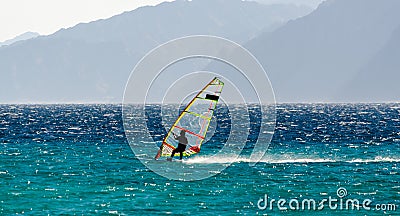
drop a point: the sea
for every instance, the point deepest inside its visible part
(323, 159)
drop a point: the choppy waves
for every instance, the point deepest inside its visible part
(74, 159)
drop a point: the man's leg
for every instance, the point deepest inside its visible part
(172, 154)
(181, 155)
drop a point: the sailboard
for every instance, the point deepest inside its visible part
(194, 120)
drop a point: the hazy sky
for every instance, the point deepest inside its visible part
(48, 16)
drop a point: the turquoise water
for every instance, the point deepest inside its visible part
(74, 159)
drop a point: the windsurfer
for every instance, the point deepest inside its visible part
(181, 146)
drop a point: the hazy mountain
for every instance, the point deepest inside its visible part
(24, 36)
(379, 79)
(314, 57)
(92, 61)
(308, 3)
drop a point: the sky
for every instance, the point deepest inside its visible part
(47, 16)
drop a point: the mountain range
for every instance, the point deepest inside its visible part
(22, 37)
(337, 53)
(91, 62)
(343, 51)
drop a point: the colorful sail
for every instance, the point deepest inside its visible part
(194, 120)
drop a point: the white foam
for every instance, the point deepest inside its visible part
(234, 159)
(375, 160)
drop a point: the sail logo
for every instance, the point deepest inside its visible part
(169, 95)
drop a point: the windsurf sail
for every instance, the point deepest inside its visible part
(194, 120)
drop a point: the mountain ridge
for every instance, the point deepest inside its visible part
(342, 51)
(310, 59)
(21, 37)
(92, 61)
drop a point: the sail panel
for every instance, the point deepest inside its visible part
(195, 120)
